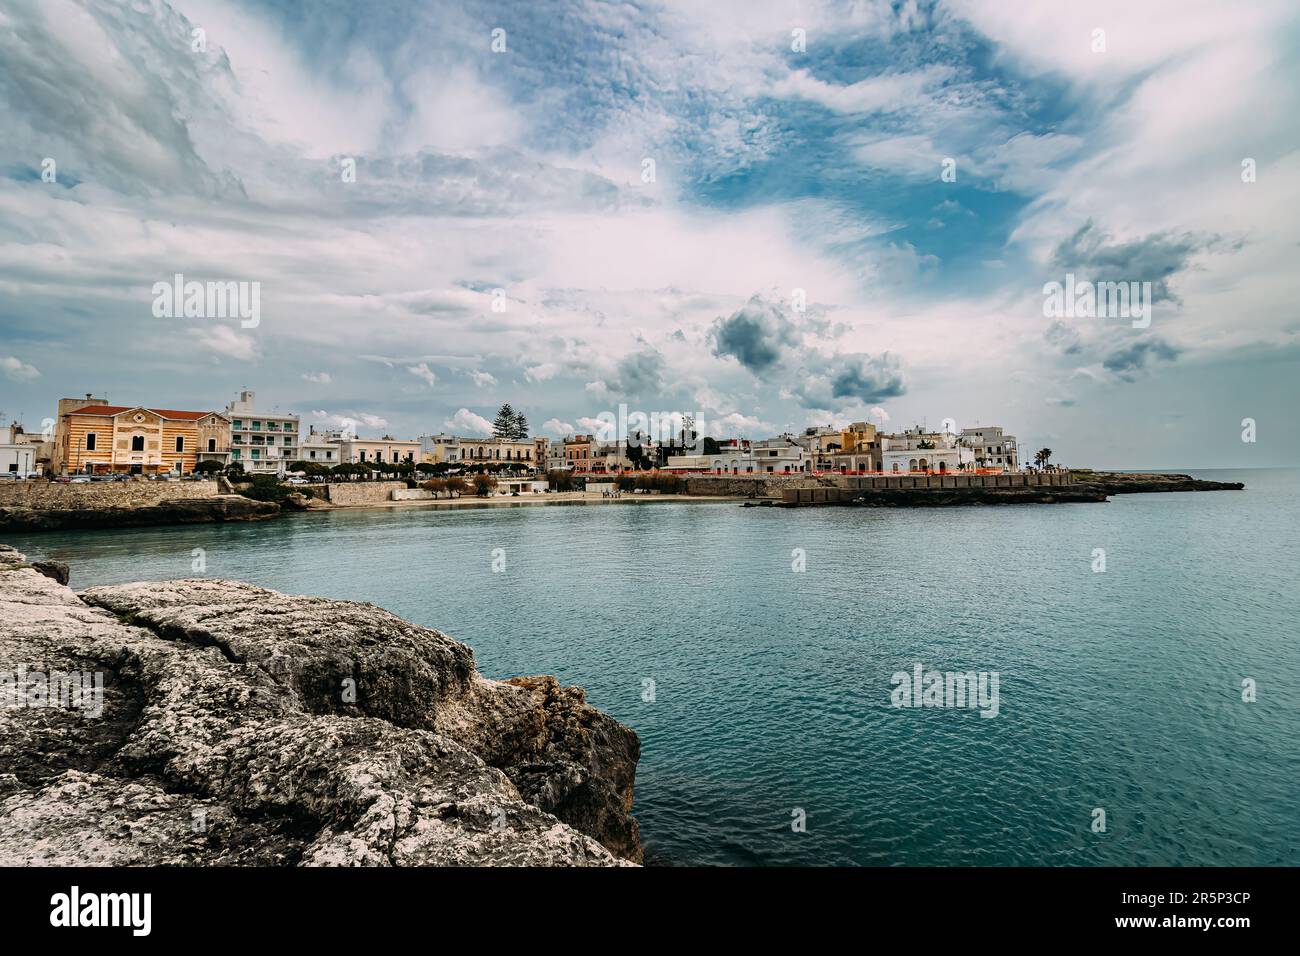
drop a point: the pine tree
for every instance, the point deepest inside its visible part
(519, 427)
(503, 426)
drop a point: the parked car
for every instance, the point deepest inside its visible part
(79, 480)
(297, 481)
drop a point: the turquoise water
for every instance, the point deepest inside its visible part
(1118, 690)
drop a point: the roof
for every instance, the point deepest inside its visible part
(110, 410)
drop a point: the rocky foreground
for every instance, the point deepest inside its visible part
(241, 726)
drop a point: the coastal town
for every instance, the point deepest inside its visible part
(90, 439)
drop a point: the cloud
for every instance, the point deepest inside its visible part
(465, 422)
(16, 370)
(1153, 258)
(755, 335)
(557, 428)
(640, 374)
(482, 379)
(350, 422)
(1062, 337)
(423, 372)
(320, 378)
(851, 378)
(224, 340)
(1134, 358)
(542, 372)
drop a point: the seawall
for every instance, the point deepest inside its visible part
(241, 726)
(51, 506)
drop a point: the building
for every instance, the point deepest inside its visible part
(439, 449)
(609, 457)
(387, 449)
(541, 451)
(780, 456)
(992, 449)
(99, 439)
(18, 456)
(555, 460)
(931, 452)
(518, 451)
(577, 453)
(858, 452)
(733, 457)
(321, 448)
(264, 443)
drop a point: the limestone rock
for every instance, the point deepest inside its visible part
(299, 730)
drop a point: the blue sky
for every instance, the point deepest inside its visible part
(782, 171)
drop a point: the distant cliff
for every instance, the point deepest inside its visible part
(241, 726)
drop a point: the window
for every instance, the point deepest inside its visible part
(137, 443)
(90, 441)
(312, 454)
(180, 444)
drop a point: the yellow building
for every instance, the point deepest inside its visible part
(98, 439)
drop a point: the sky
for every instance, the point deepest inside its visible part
(769, 215)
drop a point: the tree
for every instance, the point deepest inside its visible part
(484, 485)
(208, 467)
(297, 466)
(519, 428)
(503, 426)
(235, 469)
(426, 467)
(435, 485)
(710, 446)
(456, 485)
(1042, 457)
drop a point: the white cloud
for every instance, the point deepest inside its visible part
(542, 372)
(320, 378)
(17, 370)
(423, 372)
(224, 340)
(483, 379)
(557, 428)
(465, 422)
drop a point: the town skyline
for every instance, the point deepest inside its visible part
(854, 215)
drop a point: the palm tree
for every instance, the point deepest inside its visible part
(1042, 457)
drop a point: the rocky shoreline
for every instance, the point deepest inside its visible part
(180, 511)
(1127, 483)
(241, 726)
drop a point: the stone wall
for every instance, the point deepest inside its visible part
(363, 492)
(846, 487)
(751, 486)
(53, 496)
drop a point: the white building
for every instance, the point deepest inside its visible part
(263, 442)
(17, 453)
(917, 450)
(321, 448)
(780, 456)
(387, 449)
(992, 449)
(436, 449)
(555, 460)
